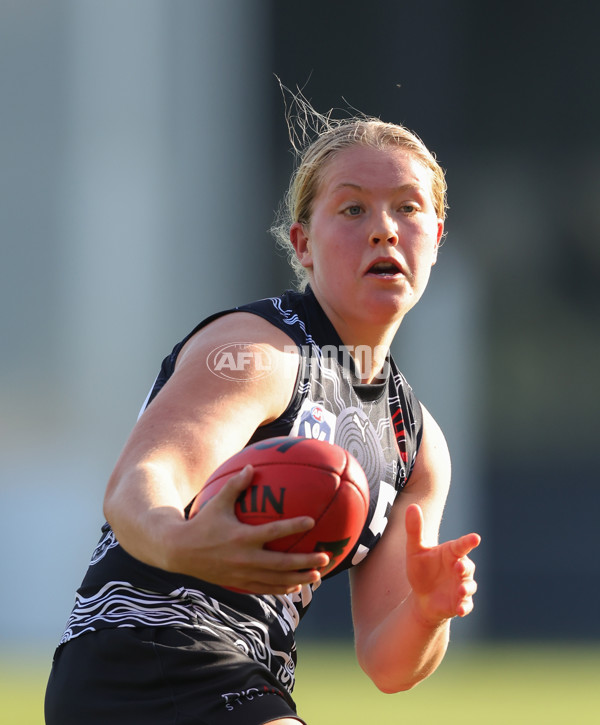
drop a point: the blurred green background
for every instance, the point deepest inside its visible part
(143, 153)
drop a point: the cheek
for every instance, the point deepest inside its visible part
(328, 246)
(428, 243)
(425, 256)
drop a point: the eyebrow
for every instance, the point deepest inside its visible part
(358, 187)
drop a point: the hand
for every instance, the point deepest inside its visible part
(441, 576)
(220, 549)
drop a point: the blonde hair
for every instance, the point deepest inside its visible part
(316, 140)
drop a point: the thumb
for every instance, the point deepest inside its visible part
(233, 488)
(414, 529)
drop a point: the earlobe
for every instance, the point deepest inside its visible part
(301, 244)
(440, 230)
(440, 234)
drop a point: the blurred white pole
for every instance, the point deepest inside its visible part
(115, 205)
(165, 156)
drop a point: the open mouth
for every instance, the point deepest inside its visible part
(384, 269)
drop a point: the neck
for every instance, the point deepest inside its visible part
(366, 339)
(370, 362)
(368, 346)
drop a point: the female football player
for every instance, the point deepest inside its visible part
(156, 634)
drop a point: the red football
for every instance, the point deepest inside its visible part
(299, 477)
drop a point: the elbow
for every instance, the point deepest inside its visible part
(109, 506)
(390, 685)
(392, 688)
(392, 671)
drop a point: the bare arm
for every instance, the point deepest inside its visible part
(407, 590)
(196, 422)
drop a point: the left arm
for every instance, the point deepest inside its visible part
(407, 590)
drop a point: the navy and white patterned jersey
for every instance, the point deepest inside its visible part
(380, 424)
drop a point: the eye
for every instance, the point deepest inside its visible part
(408, 208)
(353, 210)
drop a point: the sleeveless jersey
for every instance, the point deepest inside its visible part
(380, 424)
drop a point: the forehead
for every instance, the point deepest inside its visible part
(373, 168)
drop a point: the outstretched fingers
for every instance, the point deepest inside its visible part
(442, 575)
(464, 569)
(464, 545)
(464, 604)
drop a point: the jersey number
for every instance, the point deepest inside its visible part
(385, 499)
(387, 495)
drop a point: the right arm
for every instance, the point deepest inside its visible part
(196, 422)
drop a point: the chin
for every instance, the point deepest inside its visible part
(388, 306)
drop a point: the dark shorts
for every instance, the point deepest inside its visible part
(160, 676)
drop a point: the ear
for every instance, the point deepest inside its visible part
(301, 244)
(440, 234)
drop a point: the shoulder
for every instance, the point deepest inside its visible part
(241, 354)
(238, 331)
(206, 411)
(433, 457)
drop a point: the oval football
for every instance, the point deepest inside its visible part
(299, 477)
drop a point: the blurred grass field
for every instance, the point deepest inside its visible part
(475, 685)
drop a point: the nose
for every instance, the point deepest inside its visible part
(384, 230)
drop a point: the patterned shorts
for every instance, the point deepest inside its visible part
(160, 676)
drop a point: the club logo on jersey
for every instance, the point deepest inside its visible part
(318, 413)
(315, 421)
(240, 361)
